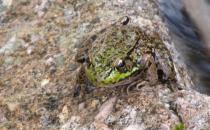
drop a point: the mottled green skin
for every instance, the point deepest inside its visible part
(127, 43)
(118, 42)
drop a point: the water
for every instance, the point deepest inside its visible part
(189, 24)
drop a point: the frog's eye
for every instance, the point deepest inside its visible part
(124, 20)
(120, 63)
(120, 66)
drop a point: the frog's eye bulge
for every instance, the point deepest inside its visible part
(124, 20)
(120, 63)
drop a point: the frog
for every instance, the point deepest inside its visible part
(123, 55)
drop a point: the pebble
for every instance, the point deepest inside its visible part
(12, 106)
(7, 3)
(11, 46)
(9, 61)
(44, 82)
(63, 116)
(30, 50)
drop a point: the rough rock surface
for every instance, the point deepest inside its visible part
(38, 42)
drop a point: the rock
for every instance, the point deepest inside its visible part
(81, 106)
(40, 9)
(30, 50)
(11, 46)
(50, 61)
(12, 106)
(94, 104)
(4, 5)
(72, 124)
(63, 116)
(2, 115)
(59, 60)
(73, 67)
(7, 3)
(193, 109)
(135, 127)
(9, 61)
(41, 37)
(44, 82)
(105, 110)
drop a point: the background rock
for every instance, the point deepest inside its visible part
(38, 43)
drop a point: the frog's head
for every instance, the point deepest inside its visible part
(113, 56)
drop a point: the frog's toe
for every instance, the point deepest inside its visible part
(141, 84)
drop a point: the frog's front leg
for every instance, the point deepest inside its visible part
(82, 53)
(148, 76)
(164, 64)
(83, 85)
(151, 69)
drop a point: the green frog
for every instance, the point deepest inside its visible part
(121, 53)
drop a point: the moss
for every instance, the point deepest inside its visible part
(179, 126)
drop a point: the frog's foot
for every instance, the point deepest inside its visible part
(142, 84)
(136, 86)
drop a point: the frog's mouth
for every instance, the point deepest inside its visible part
(114, 76)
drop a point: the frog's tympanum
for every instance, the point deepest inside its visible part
(122, 51)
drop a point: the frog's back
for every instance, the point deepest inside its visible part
(116, 42)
